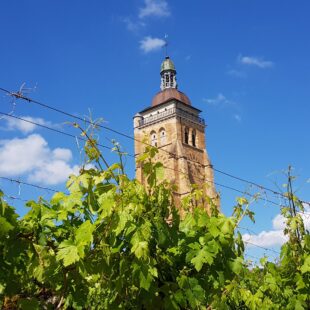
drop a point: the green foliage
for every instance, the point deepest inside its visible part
(110, 243)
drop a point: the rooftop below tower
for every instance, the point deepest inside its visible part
(170, 109)
(170, 94)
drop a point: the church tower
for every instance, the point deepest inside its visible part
(173, 125)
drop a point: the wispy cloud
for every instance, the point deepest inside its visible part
(22, 126)
(274, 237)
(149, 44)
(133, 26)
(255, 61)
(157, 8)
(237, 73)
(40, 163)
(220, 101)
(237, 117)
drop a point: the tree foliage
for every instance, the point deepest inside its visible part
(110, 243)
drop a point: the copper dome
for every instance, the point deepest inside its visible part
(169, 94)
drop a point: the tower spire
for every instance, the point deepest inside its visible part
(168, 73)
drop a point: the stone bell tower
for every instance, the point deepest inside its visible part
(174, 126)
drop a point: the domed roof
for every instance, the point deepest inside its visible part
(167, 64)
(170, 94)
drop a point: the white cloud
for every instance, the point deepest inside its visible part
(255, 61)
(149, 44)
(32, 156)
(22, 126)
(157, 8)
(62, 154)
(306, 216)
(275, 237)
(265, 238)
(53, 172)
(279, 222)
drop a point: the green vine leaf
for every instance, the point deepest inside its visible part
(68, 253)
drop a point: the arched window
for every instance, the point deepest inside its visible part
(167, 80)
(171, 80)
(194, 137)
(162, 136)
(153, 138)
(186, 135)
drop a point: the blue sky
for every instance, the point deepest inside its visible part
(245, 64)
